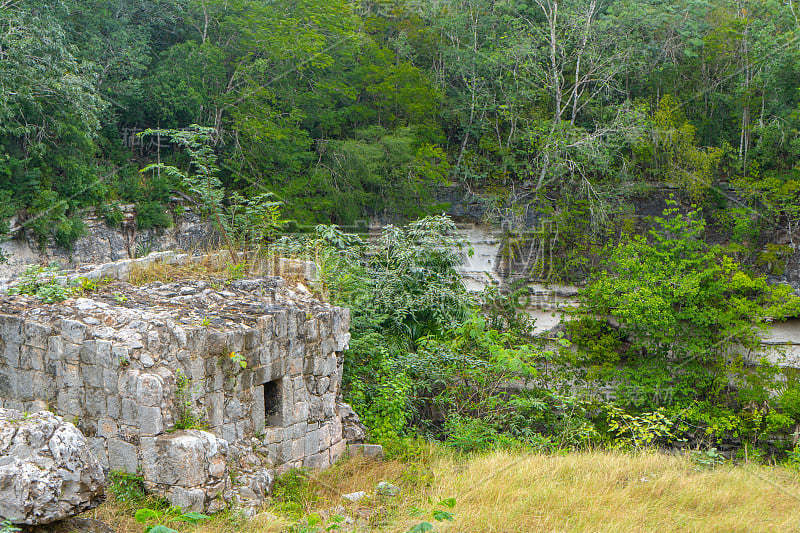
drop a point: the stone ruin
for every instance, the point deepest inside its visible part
(256, 363)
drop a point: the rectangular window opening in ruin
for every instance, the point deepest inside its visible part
(272, 403)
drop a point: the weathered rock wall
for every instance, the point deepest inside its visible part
(102, 244)
(252, 359)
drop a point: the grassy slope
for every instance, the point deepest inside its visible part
(508, 492)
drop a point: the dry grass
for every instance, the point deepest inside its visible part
(615, 492)
(213, 267)
(209, 268)
(508, 492)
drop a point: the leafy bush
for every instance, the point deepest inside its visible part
(69, 230)
(111, 214)
(127, 488)
(151, 215)
(676, 297)
(596, 340)
(43, 283)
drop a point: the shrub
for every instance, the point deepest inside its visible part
(43, 283)
(151, 215)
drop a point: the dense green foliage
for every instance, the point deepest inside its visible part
(663, 352)
(349, 109)
(564, 113)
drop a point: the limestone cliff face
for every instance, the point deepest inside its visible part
(102, 244)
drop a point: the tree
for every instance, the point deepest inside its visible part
(245, 221)
(676, 297)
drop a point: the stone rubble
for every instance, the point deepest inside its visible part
(47, 471)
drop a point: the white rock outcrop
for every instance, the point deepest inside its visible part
(47, 471)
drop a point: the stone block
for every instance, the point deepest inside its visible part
(277, 368)
(55, 347)
(154, 344)
(24, 386)
(179, 334)
(113, 406)
(98, 448)
(197, 368)
(88, 353)
(35, 335)
(337, 450)
(371, 451)
(325, 436)
(149, 390)
(103, 354)
(235, 341)
(188, 500)
(274, 435)
(298, 449)
(252, 339)
(260, 376)
(343, 341)
(282, 324)
(246, 379)
(36, 358)
(107, 428)
(11, 354)
(179, 460)
(300, 412)
(62, 402)
(7, 378)
(196, 342)
(151, 421)
(312, 331)
(35, 406)
(120, 355)
(318, 461)
(324, 323)
(92, 375)
(312, 442)
(217, 466)
(266, 326)
(11, 329)
(292, 323)
(15, 405)
(322, 385)
(233, 409)
(327, 347)
(147, 359)
(215, 405)
(282, 469)
(110, 381)
(217, 381)
(329, 405)
(315, 408)
(257, 412)
(296, 366)
(74, 403)
(217, 342)
(43, 386)
(73, 331)
(123, 456)
(297, 431)
(95, 402)
(331, 363)
(72, 352)
(230, 432)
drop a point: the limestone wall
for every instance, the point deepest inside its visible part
(101, 243)
(253, 358)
